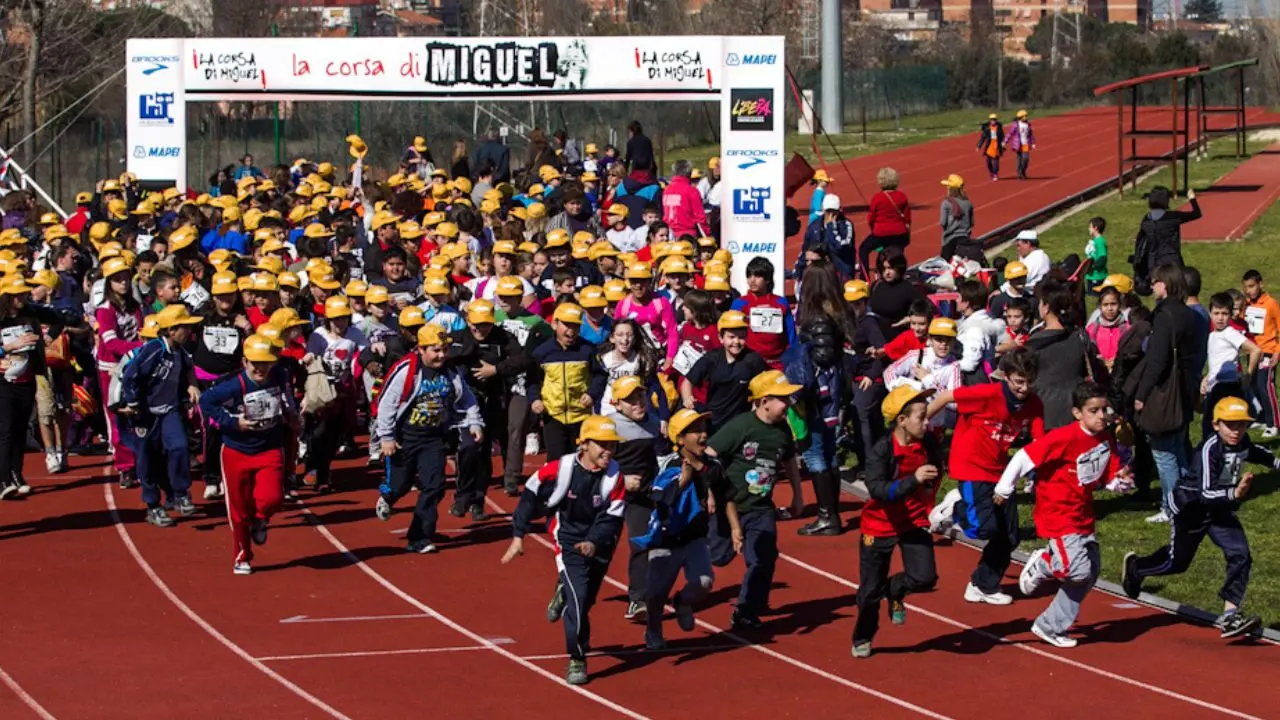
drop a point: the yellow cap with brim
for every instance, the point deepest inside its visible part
(568, 313)
(1015, 270)
(286, 318)
(412, 317)
(899, 398)
(771, 383)
(1232, 409)
(175, 315)
(592, 296)
(681, 421)
(224, 283)
(731, 320)
(259, 349)
(429, 335)
(625, 386)
(1123, 283)
(598, 429)
(942, 327)
(337, 307)
(855, 290)
(480, 312)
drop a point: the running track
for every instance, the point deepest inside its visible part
(111, 618)
(1074, 152)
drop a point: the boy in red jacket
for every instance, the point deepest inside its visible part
(1069, 463)
(770, 327)
(903, 469)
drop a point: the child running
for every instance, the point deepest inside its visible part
(1069, 464)
(582, 493)
(1205, 502)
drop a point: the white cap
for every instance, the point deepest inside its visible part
(1030, 236)
(830, 202)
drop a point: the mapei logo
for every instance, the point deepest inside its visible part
(734, 59)
(748, 203)
(141, 152)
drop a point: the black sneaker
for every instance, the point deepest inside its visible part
(258, 532)
(636, 611)
(158, 517)
(743, 621)
(24, 488)
(555, 608)
(128, 480)
(825, 524)
(7, 489)
(511, 490)
(1129, 578)
(478, 514)
(1236, 624)
(457, 510)
(183, 505)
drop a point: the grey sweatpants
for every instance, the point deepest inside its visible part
(1072, 560)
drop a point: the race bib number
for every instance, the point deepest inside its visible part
(11, 334)
(685, 358)
(264, 406)
(1091, 465)
(221, 340)
(195, 296)
(402, 298)
(766, 320)
(1255, 318)
(518, 329)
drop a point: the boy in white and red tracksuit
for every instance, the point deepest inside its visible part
(1070, 463)
(770, 327)
(583, 496)
(903, 471)
(252, 411)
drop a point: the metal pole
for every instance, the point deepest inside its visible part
(97, 150)
(275, 110)
(355, 32)
(1120, 141)
(1173, 157)
(832, 68)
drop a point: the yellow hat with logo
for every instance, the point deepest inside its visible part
(337, 307)
(557, 238)
(601, 249)
(264, 282)
(681, 421)
(46, 278)
(113, 266)
(536, 211)
(411, 317)
(175, 315)
(1015, 270)
(855, 290)
(731, 320)
(272, 333)
(676, 265)
(625, 386)
(1120, 282)
(287, 279)
(618, 211)
(14, 285)
(436, 285)
(615, 290)
(429, 335)
(323, 278)
(376, 295)
(598, 429)
(568, 313)
(271, 264)
(953, 181)
(222, 258)
(900, 397)
(771, 383)
(509, 286)
(244, 282)
(592, 296)
(182, 238)
(410, 230)
(447, 229)
(1231, 409)
(480, 312)
(150, 327)
(942, 327)
(286, 318)
(356, 288)
(639, 271)
(224, 283)
(259, 349)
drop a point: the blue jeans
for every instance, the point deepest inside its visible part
(1170, 453)
(821, 453)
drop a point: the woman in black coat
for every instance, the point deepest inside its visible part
(1159, 239)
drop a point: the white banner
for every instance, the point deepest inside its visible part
(672, 68)
(155, 110)
(752, 157)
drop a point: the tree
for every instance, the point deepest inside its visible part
(1176, 50)
(1205, 11)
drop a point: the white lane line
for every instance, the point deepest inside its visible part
(643, 651)
(500, 641)
(415, 602)
(301, 619)
(1028, 648)
(773, 653)
(25, 696)
(195, 617)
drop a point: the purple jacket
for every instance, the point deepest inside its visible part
(1013, 140)
(15, 219)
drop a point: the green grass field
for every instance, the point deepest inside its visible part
(882, 136)
(1121, 527)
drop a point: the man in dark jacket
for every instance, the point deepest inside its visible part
(1173, 334)
(639, 158)
(635, 194)
(496, 154)
(1160, 236)
(835, 233)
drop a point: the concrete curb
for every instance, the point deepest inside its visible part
(1189, 612)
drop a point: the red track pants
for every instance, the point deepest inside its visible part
(253, 488)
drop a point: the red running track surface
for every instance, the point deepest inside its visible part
(109, 617)
(1074, 152)
(1233, 204)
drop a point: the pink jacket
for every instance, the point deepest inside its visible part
(117, 334)
(682, 208)
(658, 316)
(1107, 337)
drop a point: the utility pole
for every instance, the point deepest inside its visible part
(1053, 46)
(832, 68)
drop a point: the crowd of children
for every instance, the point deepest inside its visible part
(250, 336)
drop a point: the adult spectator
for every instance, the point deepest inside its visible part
(576, 216)
(493, 151)
(1173, 334)
(460, 166)
(538, 153)
(892, 295)
(484, 183)
(635, 194)
(682, 203)
(888, 217)
(833, 232)
(567, 148)
(1159, 239)
(1036, 260)
(1067, 357)
(247, 169)
(639, 160)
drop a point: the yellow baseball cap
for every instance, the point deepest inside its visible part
(1123, 283)
(568, 313)
(676, 265)
(557, 238)
(600, 249)
(619, 211)
(615, 290)
(47, 278)
(114, 265)
(410, 230)
(771, 383)
(150, 327)
(286, 318)
(509, 286)
(953, 181)
(14, 285)
(624, 386)
(504, 247)
(1231, 409)
(411, 317)
(429, 335)
(639, 271)
(716, 282)
(289, 280)
(271, 264)
(259, 349)
(480, 312)
(942, 327)
(592, 296)
(1015, 270)
(536, 210)
(224, 283)
(681, 421)
(175, 315)
(899, 398)
(447, 229)
(855, 290)
(731, 320)
(336, 307)
(377, 294)
(356, 288)
(598, 429)
(244, 282)
(323, 278)
(436, 285)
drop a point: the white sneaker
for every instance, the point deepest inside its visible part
(52, 463)
(1270, 433)
(1059, 641)
(1257, 426)
(940, 517)
(242, 568)
(212, 491)
(375, 452)
(1160, 517)
(974, 595)
(532, 446)
(1029, 579)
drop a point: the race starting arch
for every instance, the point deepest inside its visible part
(746, 74)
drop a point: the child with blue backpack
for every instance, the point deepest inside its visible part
(677, 536)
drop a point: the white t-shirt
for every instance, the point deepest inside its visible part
(629, 239)
(1038, 266)
(617, 367)
(1224, 356)
(489, 287)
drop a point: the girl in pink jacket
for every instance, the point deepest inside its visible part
(653, 312)
(1111, 325)
(119, 319)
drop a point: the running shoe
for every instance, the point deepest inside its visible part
(24, 488)
(128, 480)
(555, 608)
(1129, 578)
(183, 505)
(862, 649)
(7, 489)
(577, 672)
(636, 611)
(242, 568)
(212, 490)
(1160, 517)
(383, 508)
(478, 514)
(653, 642)
(158, 517)
(457, 509)
(421, 547)
(743, 621)
(684, 615)
(1029, 579)
(1237, 623)
(974, 595)
(897, 612)
(258, 532)
(1058, 641)
(51, 462)
(941, 516)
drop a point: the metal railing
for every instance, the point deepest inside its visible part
(15, 178)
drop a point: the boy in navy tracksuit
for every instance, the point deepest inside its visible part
(152, 390)
(583, 496)
(251, 412)
(1205, 503)
(421, 404)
